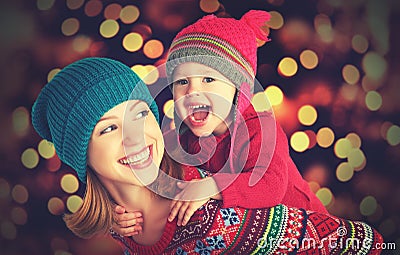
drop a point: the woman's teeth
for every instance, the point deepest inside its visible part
(136, 159)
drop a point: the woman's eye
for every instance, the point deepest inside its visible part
(181, 82)
(208, 79)
(142, 114)
(108, 129)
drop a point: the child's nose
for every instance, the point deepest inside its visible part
(194, 86)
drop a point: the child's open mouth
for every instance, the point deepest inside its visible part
(198, 113)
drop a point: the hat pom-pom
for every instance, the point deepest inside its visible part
(255, 19)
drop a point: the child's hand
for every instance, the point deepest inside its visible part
(194, 194)
(127, 223)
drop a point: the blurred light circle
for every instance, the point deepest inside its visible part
(373, 100)
(350, 74)
(46, 149)
(140, 70)
(70, 26)
(53, 164)
(112, 11)
(69, 183)
(344, 172)
(55, 206)
(153, 49)
(325, 196)
(81, 43)
(30, 158)
(309, 59)
(21, 121)
(299, 141)
(93, 8)
(354, 139)
(132, 42)
(209, 6)
(74, 4)
(19, 216)
(129, 14)
(368, 205)
(356, 157)
(325, 137)
(307, 115)
(276, 21)
(374, 65)
(342, 148)
(44, 5)
(20, 194)
(109, 28)
(168, 109)
(8, 230)
(52, 73)
(260, 102)
(393, 135)
(359, 44)
(4, 188)
(274, 94)
(74, 202)
(287, 67)
(151, 75)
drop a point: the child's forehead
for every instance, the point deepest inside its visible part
(189, 69)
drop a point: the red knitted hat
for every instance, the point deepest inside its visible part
(223, 40)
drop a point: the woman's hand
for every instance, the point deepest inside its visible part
(127, 223)
(194, 194)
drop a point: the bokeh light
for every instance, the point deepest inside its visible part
(44, 5)
(323, 26)
(374, 65)
(19, 215)
(93, 8)
(359, 44)
(46, 149)
(299, 141)
(74, 202)
(354, 139)
(20, 194)
(368, 205)
(276, 21)
(356, 157)
(55, 206)
(342, 148)
(52, 73)
(132, 42)
(53, 164)
(209, 6)
(307, 115)
(69, 183)
(109, 28)
(309, 59)
(344, 172)
(350, 74)
(373, 100)
(30, 158)
(70, 26)
(4, 188)
(8, 230)
(393, 135)
(20, 121)
(260, 102)
(325, 195)
(274, 94)
(129, 14)
(153, 49)
(325, 137)
(112, 11)
(168, 109)
(287, 67)
(74, 4)
(81, 43)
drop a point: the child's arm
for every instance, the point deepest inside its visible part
(127, 223)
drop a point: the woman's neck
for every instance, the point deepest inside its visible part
(154, 209)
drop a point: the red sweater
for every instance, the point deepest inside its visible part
(276, 179)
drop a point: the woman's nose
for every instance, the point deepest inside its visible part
(133, 135)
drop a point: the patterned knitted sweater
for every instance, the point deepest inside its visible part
(277, 230)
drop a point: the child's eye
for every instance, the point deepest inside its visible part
(108, 129)
(181, 82)
(208, 79)
(142, 114)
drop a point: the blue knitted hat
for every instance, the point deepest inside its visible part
(69, 106)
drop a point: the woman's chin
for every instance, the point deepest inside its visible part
(146, 175)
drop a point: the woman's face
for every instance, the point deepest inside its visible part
(126, 145)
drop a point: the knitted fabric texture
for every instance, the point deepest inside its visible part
(69, 106)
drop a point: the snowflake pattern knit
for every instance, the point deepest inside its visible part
(277, 230)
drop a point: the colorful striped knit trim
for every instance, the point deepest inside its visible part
(222, 47)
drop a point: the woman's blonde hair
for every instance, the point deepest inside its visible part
(95, 216)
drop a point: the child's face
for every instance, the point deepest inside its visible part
(126, 140)
(203, 98)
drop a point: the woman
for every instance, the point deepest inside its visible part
(103, 123)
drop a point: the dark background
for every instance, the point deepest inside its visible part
(32, 44)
